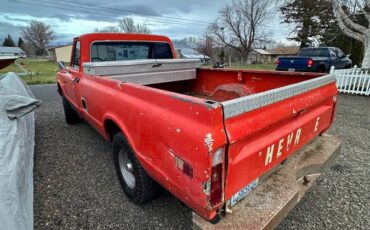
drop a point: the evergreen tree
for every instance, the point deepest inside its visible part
(221, 56)
(20, 42)
(314, 20)
(8, 41)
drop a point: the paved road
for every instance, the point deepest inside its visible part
(76, 185)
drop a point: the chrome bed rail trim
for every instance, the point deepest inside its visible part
(242, 105)
(108, 68)
(157, 77)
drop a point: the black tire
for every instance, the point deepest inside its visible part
(144, 188)
(321, 69)
(71, 115)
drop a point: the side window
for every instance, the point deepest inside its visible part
(332, 54)
(340, 53)
(76, 56)
(162, 51)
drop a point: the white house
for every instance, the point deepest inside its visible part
(12, 51)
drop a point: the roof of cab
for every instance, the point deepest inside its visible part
(122, 36)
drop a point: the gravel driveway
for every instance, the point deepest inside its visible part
(76, 186)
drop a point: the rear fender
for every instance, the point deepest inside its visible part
(323, 65)
(120, 125)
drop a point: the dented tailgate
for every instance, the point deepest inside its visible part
(265, 128)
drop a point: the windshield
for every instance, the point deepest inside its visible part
(314, 52)
(117, 51)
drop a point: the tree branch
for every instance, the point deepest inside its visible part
(347, 30)
(339, 12)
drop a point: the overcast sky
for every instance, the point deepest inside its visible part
(70, 18)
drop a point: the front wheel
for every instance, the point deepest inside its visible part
(135, 182)
(71, 115)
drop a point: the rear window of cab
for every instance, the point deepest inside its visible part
(118, 51)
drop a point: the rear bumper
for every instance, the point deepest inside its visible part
(279, 190)
(297, 70)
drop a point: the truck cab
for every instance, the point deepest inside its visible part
(96, 48)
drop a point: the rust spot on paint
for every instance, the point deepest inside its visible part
(208, 104)
(207, 188)
(208, 141)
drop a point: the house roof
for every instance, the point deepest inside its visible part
(262, 51)
(186, 51)
(190, 53)
(286, 50)
(195, 56)
(11, 50)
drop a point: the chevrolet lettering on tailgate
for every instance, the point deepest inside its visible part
(286, 143)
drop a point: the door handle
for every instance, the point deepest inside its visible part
(75, 80)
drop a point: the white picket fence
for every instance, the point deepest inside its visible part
(352, 81)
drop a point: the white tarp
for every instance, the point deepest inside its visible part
(17, 132)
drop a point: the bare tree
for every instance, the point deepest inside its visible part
(192, 41)
(240, 24)
(108, 29)
(353, 29)
(206, 46)
(128, 25)
(38, 35)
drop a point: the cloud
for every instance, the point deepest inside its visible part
(71, 18)
(8, 28)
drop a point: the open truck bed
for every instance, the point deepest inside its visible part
(208, 136)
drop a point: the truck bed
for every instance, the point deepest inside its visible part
(182, 76)
(226, 85)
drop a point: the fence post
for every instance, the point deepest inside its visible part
(332, 68)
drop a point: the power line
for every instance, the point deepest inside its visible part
(128, 11)
(202, 3)
(67, 7)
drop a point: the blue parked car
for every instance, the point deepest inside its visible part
(319, 59)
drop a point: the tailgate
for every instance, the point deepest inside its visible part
(292, 62)
(265, 128)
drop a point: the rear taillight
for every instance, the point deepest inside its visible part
(217, 177)
(216, 185)
(310, 62)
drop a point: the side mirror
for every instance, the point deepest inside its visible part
(348, 55)
(61, 65)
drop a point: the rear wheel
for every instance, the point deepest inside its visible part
(71, 115)
(321, 69)
(135, 182)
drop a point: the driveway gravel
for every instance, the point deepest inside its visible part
(76, 185)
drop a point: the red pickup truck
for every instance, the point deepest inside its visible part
(211, 137)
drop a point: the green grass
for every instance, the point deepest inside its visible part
(268, 66)
(44, 71)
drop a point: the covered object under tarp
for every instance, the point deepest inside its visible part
(17, 133)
